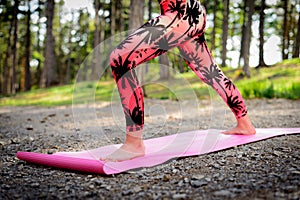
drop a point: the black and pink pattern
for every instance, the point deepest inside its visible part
(180, 25)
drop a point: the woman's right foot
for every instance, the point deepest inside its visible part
(132, 148)
(126, 152)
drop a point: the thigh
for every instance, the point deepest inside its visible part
(147, 42)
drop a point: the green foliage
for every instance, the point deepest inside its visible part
(280, 81)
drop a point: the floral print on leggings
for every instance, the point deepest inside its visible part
(181, 24)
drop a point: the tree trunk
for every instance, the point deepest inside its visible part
(241, 58)
(61, 60)
(68, 68)
(149, 9)
(180, 65)
(6, 63)
(38, 47)
(164, 69)
(49, 76)
(113, 17)
(261, 34)
(136, 19)
(213, 33)
(96, 24)
(120, 16)
(28, 50)
(297, 43)
(95, 55)
(136, 16)
(285, 36)
(13, 71)
(248, 36)
(225, 32)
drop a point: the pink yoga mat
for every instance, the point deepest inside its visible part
(158, 150)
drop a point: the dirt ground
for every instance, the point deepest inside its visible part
(268, 169)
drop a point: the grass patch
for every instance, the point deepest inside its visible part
(279, 81)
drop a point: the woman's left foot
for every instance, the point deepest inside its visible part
(244, 127)
(240, 131)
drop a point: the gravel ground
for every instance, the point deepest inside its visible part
(267, 169)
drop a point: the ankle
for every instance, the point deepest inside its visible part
(244, 121)
(134, 138)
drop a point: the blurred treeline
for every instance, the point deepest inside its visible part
(43, 44)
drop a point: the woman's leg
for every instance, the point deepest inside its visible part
(151, 40)
(198, 57)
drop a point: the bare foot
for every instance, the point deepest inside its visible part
(132, 148)
(125, 152)
(244, 127)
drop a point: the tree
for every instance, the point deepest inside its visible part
(136, 16)
(96, 41)
(261, 34)
(225, 31)
(285, 35)
(213, 33)
(68, 68)
(49, 76)
(13, 74)
(297, 39)
(120, 15)
(247, 35)
(28, 50)
(8, 11)
(39, 50)
(164, 72)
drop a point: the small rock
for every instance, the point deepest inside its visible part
(216, 175)
(277, 153)
(15, 141)
(231, 179)
(198, 183)
(223, 193)
(137, 189)
(179, 196)
(180, 183)
(29, 127)
(207, 179)
(216, 165)
(31, 139)
(197, 177)
(2, 142)
(127, 192)
(35, 185)
(92, 186)
(166, 178)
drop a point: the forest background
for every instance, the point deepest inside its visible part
(44, 44)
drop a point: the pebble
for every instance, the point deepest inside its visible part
(197, 177)
(179, 196)
(35, 185)
(198, 183)
(225, 193)
(127, 192)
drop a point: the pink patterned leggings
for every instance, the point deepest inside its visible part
(180, 25)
